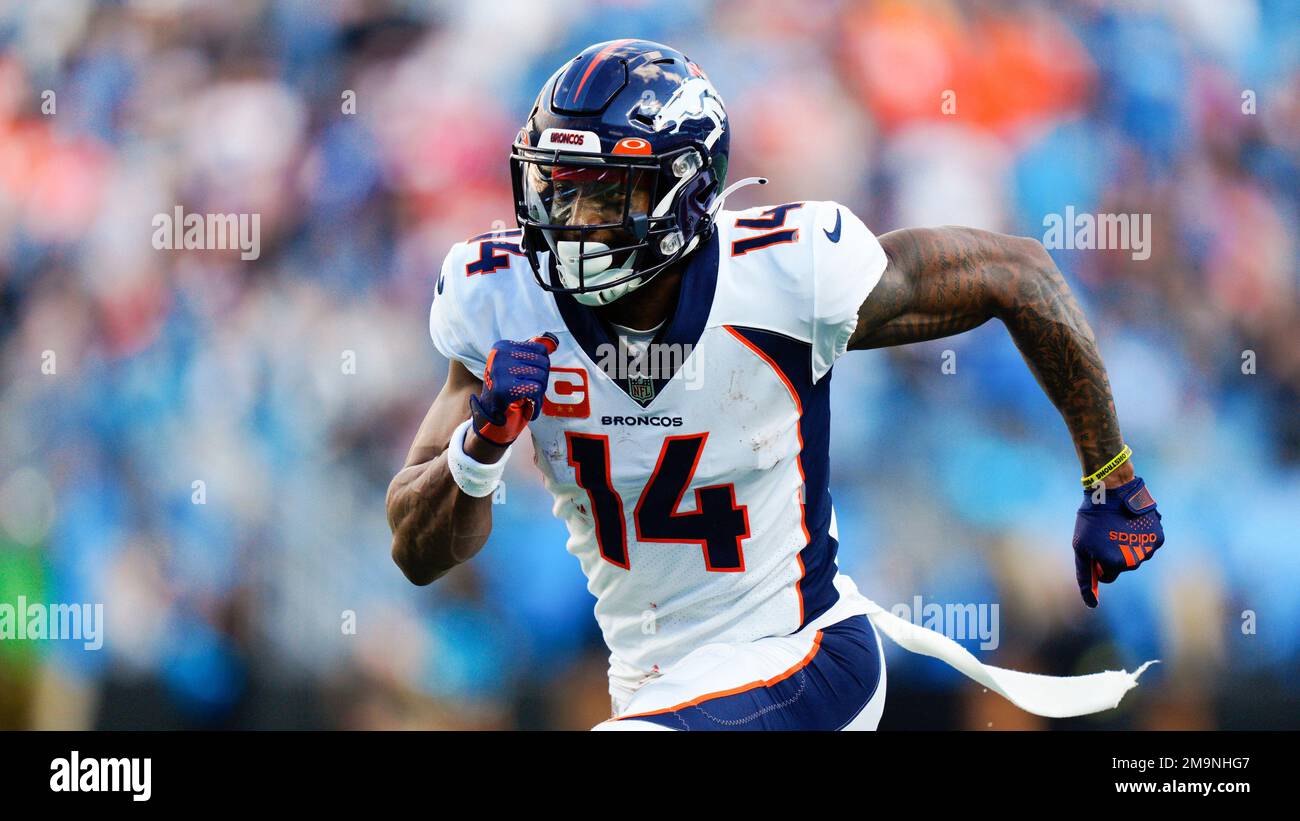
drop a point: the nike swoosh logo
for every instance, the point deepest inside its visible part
(834, 236)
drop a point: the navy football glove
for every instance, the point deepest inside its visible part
(1117, 535)
(514, 385)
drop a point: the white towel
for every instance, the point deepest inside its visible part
(1051, 696)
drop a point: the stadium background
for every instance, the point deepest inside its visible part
(177, 366)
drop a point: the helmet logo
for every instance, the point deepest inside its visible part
(694, 99)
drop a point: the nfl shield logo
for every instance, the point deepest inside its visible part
(641, 389)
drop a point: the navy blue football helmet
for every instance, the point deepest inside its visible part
(619, 169)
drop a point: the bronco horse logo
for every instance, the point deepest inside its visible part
(693, 100)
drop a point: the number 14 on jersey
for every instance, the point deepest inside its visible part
(717, 524)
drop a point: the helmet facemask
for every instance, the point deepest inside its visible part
(608, 221)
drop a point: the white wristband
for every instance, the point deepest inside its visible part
(473, 477)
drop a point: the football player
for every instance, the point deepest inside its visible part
(672, 362)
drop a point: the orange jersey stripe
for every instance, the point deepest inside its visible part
(798, 432)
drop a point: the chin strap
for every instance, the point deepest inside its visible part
(717, 205)
(731, 189)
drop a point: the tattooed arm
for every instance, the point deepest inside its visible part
(942, 281)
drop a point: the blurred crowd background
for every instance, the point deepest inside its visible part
(171, 368)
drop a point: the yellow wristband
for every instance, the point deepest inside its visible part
(1108, 468)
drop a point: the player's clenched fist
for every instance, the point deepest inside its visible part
(514, 384)
(1115, 535)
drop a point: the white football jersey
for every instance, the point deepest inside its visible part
(694, 487)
